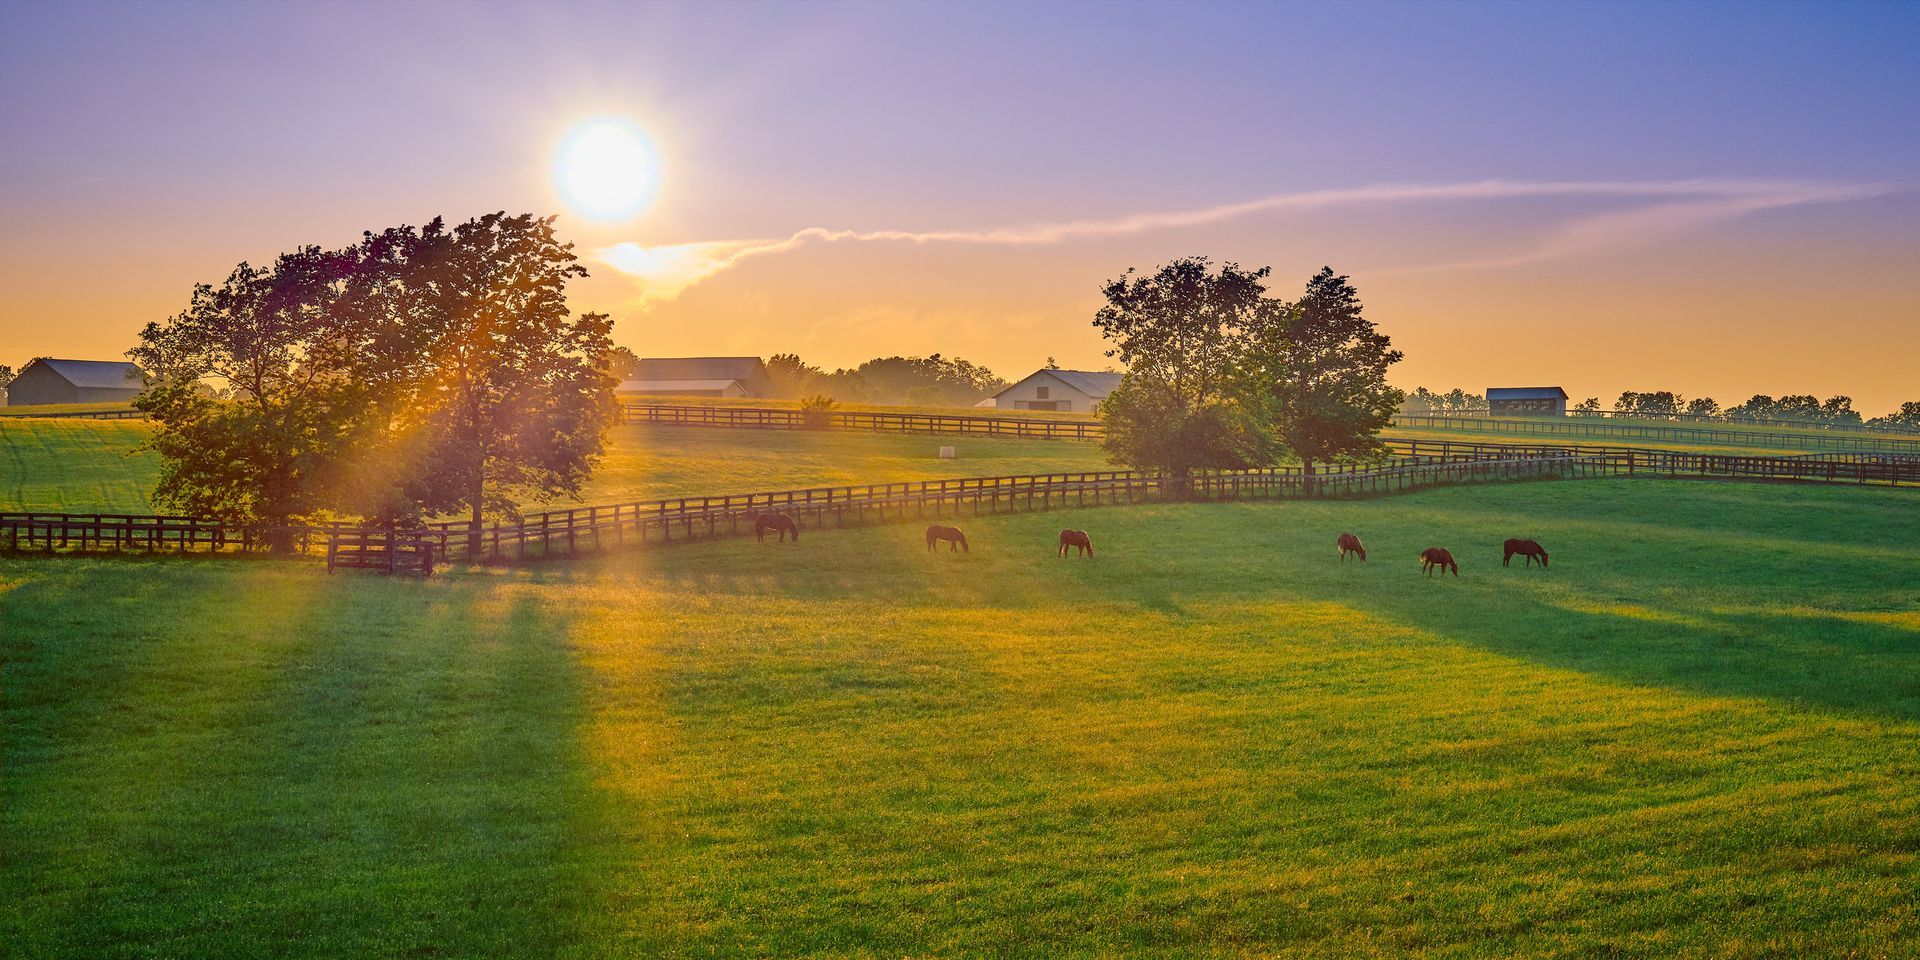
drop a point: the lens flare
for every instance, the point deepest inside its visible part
(607, 169)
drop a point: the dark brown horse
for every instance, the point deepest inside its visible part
(956, 540)
(1437, 558)
(1348, 543)
(778, 522)
(1524, 548)
(1076, 538)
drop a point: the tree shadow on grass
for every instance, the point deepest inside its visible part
(349, 766)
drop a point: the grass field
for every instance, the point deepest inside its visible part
(1697, 734)
(1753, 449)
(86, 466)
(76, 466)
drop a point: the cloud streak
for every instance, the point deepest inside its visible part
(1666, 207)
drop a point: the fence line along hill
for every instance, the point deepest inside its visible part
(770, 418)
(1414, 465)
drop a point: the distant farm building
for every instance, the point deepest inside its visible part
(1526, 402)
(75, 381)
(1079, 391)
(698, 377)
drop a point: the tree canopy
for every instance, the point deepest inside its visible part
(1219, 375)
(1323, 369)
(421, 371)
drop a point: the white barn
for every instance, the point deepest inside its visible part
(1077, 391)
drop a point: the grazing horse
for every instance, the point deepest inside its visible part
(1348, 543)
(1076, 538)
(779, 522)
(1437, 558)
(956, 541)
(1524, 548)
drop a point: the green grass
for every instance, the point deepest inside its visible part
(1697, 734)
(1735, 438)
(84, 466)
(656, 461)
(771, 403)
(76, 466)
(1753, 449)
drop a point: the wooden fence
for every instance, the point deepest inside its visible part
(24, 413)
(767, 418)
(986, 425)
(1554, 427)
(1415, 464)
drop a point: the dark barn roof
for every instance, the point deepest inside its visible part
(97, 374)
(1525, 393)
(1094, 383)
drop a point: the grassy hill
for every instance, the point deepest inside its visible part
(76, 466)
(1697, 733)
(84, 466)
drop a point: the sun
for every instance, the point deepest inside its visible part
(607, 169)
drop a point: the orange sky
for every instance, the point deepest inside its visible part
(1710, 222)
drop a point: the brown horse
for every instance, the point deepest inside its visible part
(956, 541)
(779, 522)
(1348, 543)
(1076, 538)
(1437, 558)
(1524, 548)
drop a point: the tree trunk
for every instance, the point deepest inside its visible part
(1306, 479)
(280, 538)
(1179, 484)
(475, 540)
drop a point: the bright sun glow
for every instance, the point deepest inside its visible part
(607, 169)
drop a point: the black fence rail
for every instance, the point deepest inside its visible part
(26, 413)
(766, 418)
(1548, 426)
(386, 550)
(1706, 418)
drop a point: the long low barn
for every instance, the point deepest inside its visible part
(1526, 401)
(47, 380)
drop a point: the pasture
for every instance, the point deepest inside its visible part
(86, 466)
(1697, 734)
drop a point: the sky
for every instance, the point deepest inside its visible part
(1716, 199)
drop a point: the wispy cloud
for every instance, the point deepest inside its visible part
(1664, 208)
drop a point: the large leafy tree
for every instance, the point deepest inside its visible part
(1321, 369)
(1181, 331)
(506, 393)
(252, 393)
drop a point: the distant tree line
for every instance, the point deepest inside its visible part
(1456, 400)
(1804, 408)
(1220, 375)
(933, 381)
(423, 371)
